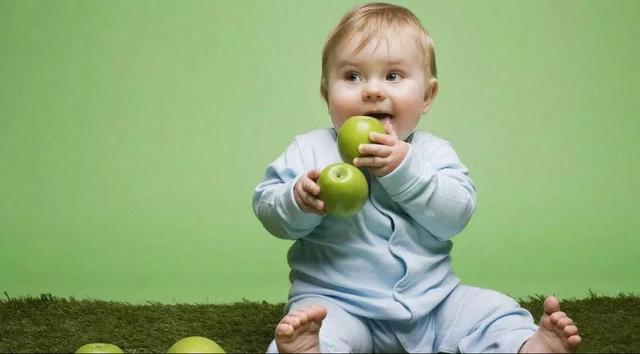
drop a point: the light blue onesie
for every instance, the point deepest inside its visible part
(385, 274)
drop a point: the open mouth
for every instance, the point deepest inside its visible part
(379, 115)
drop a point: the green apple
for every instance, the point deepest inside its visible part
(343, 189)
(99, 348)
(195, 345)
(355, 131)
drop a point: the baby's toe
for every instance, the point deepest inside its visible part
(551, 305)
(292, 321)
(317, 313)
(564, 322)
(574, 341)
(301, 315)
(557, 316)
(284, 330)
(570, 330)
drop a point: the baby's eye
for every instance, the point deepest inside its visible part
(352, 76)
(394, 76)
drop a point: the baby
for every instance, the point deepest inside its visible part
(381, 280)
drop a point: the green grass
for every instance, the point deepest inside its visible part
(50, 324)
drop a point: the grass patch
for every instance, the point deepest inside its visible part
(51, 324)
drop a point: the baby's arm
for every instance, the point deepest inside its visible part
(434, 189)
(274, 199)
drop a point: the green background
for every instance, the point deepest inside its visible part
(132, 135)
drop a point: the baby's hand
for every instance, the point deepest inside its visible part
(305, 193)
(384, 156)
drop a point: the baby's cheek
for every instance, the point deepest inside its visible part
(411, 113)
(343, 94)
(340, 110)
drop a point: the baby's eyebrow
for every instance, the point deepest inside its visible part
(398, 62)
(392, 62)
(344, 63)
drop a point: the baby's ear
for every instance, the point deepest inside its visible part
(430, 94)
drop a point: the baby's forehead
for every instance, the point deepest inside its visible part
(356, 41)
(387, 42)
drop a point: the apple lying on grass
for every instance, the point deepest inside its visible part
(355, 131)
(99, 348)
(343, 189)
(195, 345)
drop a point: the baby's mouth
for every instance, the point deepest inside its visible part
(381, 116)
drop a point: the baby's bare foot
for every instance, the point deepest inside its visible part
(298, 331)
(556, 332)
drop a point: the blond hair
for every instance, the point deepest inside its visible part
(372, 20)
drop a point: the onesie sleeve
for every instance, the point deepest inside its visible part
(273, 200)
(434, 188)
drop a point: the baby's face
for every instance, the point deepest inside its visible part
(385, 80)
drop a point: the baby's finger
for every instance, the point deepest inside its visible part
(313, 205)
(375, 149)
(384, 139)
(299, 193)
(310, 187)
(314, 174)
(370, 161)
(388, 127)
(318, 205)
(305, 204)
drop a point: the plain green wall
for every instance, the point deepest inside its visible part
(132, 135)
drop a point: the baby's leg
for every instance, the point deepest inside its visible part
(557, 333)
(317, 324)
(476, 320)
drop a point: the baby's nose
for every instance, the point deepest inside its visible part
(372, 95)
(372, 92)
